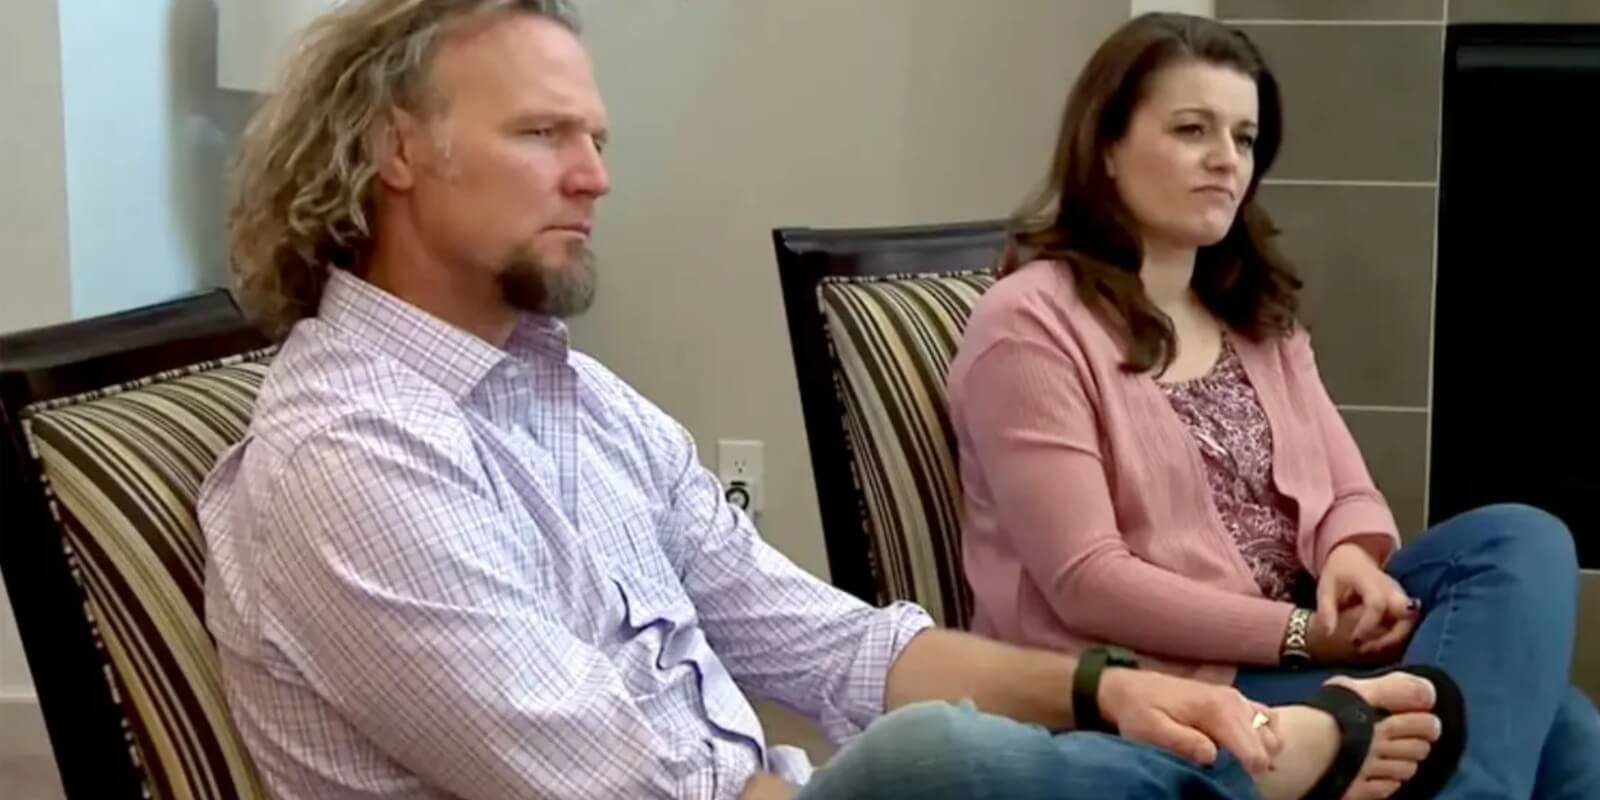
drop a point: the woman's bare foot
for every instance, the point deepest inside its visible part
(1311, 738)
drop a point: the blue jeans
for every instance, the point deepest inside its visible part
(950, 751)
(1499, 592)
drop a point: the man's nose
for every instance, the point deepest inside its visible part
(588, 174)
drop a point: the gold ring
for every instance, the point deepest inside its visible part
(1259, 720)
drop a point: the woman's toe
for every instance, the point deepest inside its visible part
(1372, 790)
(1413, 750)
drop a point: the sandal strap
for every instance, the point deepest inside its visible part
(1356, 720)
(1445, 756)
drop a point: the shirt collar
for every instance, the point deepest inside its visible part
(451, 357)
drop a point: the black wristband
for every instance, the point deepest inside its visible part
(1086, 685)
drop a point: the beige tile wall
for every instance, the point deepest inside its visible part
(731, 118)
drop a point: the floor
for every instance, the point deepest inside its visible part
(29, 778)
(35, 777)
(783, 726)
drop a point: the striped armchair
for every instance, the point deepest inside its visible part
(107, 427)
(875, 316)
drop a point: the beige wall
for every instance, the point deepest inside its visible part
(34, 286)
(33, 198)
(733, 117)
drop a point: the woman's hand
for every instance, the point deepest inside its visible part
(1341, 647)
(1362, 613)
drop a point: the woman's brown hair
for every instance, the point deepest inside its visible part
(1078, 217)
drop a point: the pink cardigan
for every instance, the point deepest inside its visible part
(1087, 517)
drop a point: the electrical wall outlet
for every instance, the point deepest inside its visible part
(741, 466)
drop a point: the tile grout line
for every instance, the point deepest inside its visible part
(1368, 409)
(1433, 290)
(1359, 183)
(1330, 23)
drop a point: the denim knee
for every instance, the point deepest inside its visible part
(939, 749)
(1578, 715)
(1525, 540)
(932, 728)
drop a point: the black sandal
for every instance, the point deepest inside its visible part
(1356, 719)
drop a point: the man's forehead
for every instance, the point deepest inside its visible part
(516, 59)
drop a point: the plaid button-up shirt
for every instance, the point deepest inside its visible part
(437, 568)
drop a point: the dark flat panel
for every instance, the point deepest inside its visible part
(1395, 447)
(1513, 414)
(1361, 102)
(1331, 9)
(1366, 254)
(1524, 11)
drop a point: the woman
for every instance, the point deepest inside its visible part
(1149, 458)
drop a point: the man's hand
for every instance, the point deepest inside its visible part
(1189, 718)
(1352, 579)
(766, 786)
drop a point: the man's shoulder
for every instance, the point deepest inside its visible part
(601, 380)
(323, 379)
(614, 396)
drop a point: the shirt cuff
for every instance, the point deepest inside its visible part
(887, 633)
(1354, 518)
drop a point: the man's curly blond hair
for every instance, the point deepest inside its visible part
(301, 193)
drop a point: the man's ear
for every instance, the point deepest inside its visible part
(396, 149)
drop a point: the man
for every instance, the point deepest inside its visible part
(455, 558)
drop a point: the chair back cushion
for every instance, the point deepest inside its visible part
(893, 339)
(122, 467)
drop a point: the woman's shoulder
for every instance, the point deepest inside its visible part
(1036, 304)
(1034, 293)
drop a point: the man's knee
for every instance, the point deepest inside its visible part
(932, 749)
(957, 733)
(953, 745)
(934, 729)
(1578, 716)
(952, 750)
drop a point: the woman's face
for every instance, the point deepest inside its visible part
(1186, 160)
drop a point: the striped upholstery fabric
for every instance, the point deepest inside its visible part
(893, 338)
(123, 466)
